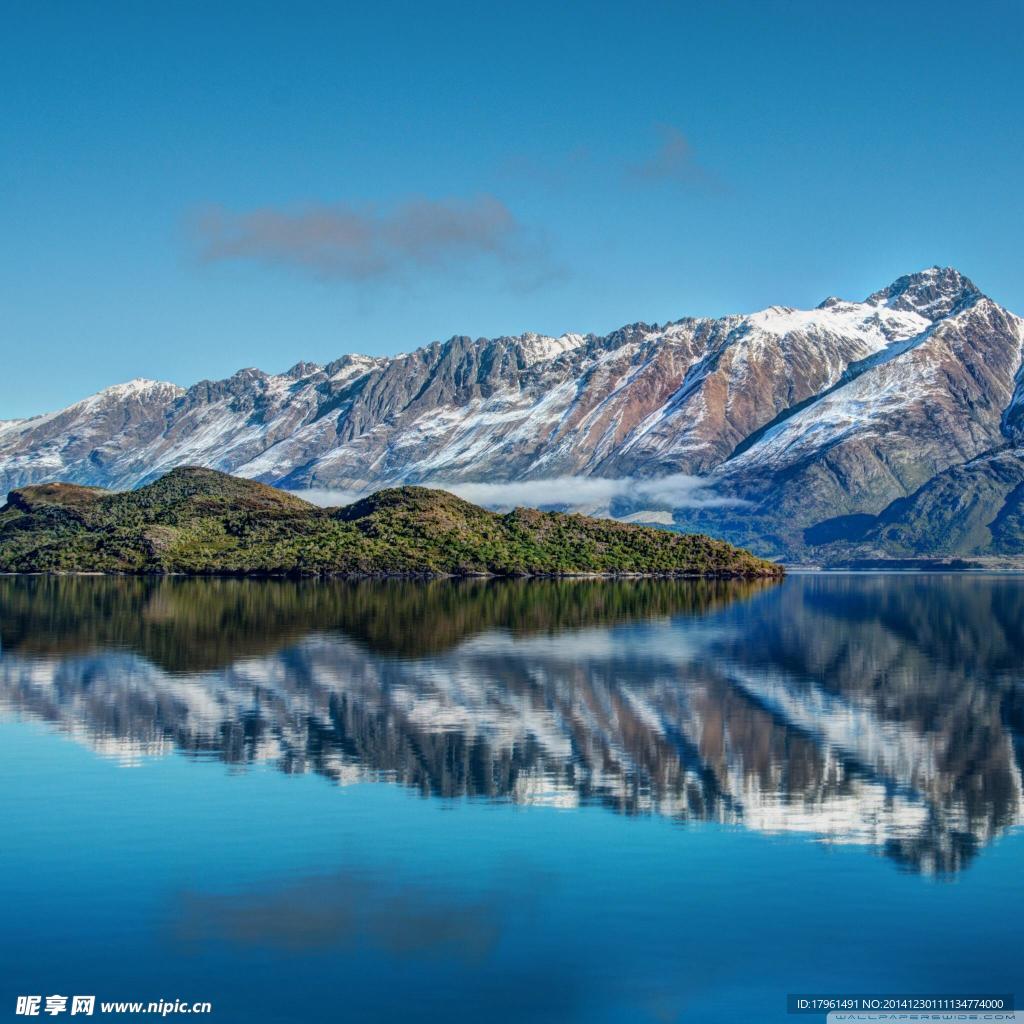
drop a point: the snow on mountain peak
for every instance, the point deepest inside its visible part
(539, 348)
(138, 387)
(933, 293)
(880, 324)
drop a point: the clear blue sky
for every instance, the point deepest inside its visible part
(186, 189)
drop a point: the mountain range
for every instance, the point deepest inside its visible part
(891, 427)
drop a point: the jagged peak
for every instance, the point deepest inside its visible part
(539, 348)
(248, 373)
(302, 369)
(933, 293)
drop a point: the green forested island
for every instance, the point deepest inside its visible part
(202, 522)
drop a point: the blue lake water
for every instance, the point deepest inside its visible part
(511, 801)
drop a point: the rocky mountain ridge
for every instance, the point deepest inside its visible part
(798, 423)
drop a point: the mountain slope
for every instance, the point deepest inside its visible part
(200, 521)
(792, 417)
(975, 508)
(897, 420)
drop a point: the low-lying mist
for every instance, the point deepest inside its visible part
(678, 490)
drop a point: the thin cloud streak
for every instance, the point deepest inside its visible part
(327, 497)
(345, 243)
(678, 490)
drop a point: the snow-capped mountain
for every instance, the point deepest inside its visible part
(801, 423)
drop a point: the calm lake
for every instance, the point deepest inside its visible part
(511, 801)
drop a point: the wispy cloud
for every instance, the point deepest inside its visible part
(678, 490)
(346, 243)
(327, 497)
(673, 162)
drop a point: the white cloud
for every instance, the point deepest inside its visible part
(676, 491)
(326, 498)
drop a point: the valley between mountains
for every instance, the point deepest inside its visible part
(886, 428)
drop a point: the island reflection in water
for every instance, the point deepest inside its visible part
(885, 711)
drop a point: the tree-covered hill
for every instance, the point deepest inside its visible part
(199, 521)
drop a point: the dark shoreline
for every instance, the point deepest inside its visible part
(425, 576)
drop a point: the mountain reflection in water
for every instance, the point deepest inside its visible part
(880, 710)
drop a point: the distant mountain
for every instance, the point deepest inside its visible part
(813, 431)
(201, 522)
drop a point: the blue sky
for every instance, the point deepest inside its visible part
(186, 189)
